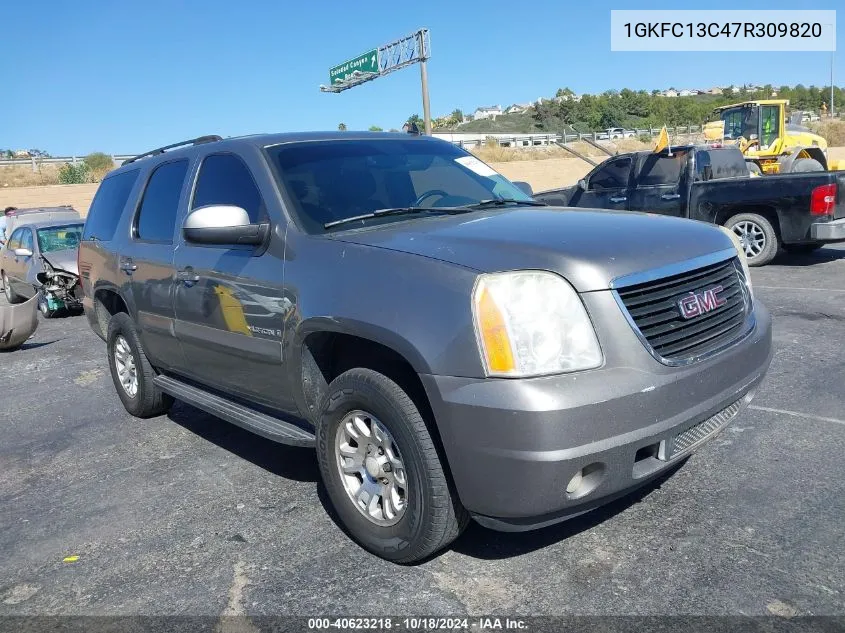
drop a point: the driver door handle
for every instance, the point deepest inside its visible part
(619, 199)
(670, 196)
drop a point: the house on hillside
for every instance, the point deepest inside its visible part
(487, 112)
(687, 93)
(518, 108)
(562, 98)
(715, 90)
(669, 93)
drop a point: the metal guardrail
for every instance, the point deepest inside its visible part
(35, 161)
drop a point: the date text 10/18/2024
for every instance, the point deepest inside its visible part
(417, 624)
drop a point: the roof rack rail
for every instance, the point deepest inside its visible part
(211, 138)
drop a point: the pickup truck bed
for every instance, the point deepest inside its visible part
(797, 211)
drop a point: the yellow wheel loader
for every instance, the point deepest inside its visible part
(770, 144)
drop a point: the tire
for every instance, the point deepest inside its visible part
(46, 312)
(431, 516)
(11, 295)
(754, 169)
(802, 165)
(758, 236)
(801, 248)
(147, 401)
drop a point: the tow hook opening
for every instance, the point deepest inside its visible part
(585, 481)
(647, 460)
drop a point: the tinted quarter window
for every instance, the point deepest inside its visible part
(661, 169)
(613, 175)
(108, 205)
(157, 215)
(225, 179)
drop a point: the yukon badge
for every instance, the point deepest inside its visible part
(697, 303)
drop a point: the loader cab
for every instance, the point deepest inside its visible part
(753, 121)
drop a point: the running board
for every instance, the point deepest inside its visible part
(244, 417)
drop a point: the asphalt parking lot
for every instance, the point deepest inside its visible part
(185, 514)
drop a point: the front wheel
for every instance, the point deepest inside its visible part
(131, 371)
(11, 295)
(382, 471)
(757, 237)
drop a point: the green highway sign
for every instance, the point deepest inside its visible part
(364, 63)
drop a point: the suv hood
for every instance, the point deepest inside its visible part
(588, 247)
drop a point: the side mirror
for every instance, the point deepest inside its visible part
(23, 252)
(525, 188)
(223, 224)
(582, 184)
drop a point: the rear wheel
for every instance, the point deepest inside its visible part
(382, 471)
(757, 236)
(131, 371)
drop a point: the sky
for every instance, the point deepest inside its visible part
(123, 77)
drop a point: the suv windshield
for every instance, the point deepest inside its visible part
(59, 238)
(335, 180)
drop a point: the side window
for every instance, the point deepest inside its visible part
(108, 205)
(660, 169)
(157, 215)
(26, 239)
(613, 175)
(15, 240)
(769, 126)
(225, 179)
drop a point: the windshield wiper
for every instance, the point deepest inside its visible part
(392, 211)
(503, 202)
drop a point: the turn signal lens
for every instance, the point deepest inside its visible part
(532, 323)
(494, 334)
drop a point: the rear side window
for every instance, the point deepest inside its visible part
(613, 175)
(225, 179)
(720, 163)
(661, 169)
(157, 216)
(108, 205)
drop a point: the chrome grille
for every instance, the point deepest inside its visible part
(653, 309)
(701, 431)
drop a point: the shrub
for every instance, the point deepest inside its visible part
(77, 174)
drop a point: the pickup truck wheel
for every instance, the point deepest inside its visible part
(757, 236)
(131, 372)
(382, 471)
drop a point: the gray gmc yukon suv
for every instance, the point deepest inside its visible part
(451, 347)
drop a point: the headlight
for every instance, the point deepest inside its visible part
(743, 258)
(530, 323)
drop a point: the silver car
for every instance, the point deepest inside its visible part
(42, 256)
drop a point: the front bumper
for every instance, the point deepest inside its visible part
(514, 445)
(833, 231)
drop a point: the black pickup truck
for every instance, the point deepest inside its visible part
(796, 211)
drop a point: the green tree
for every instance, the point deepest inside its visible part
(98, 161)
(74, 174)
(341, 127)
(375, 128)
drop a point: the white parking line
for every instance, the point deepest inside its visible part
(791, 288)
(796, 414)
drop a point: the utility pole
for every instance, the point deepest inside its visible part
(832, 55)
(426, 106)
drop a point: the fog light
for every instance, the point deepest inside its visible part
(575, 482)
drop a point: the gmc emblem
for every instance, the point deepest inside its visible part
(697, 303)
